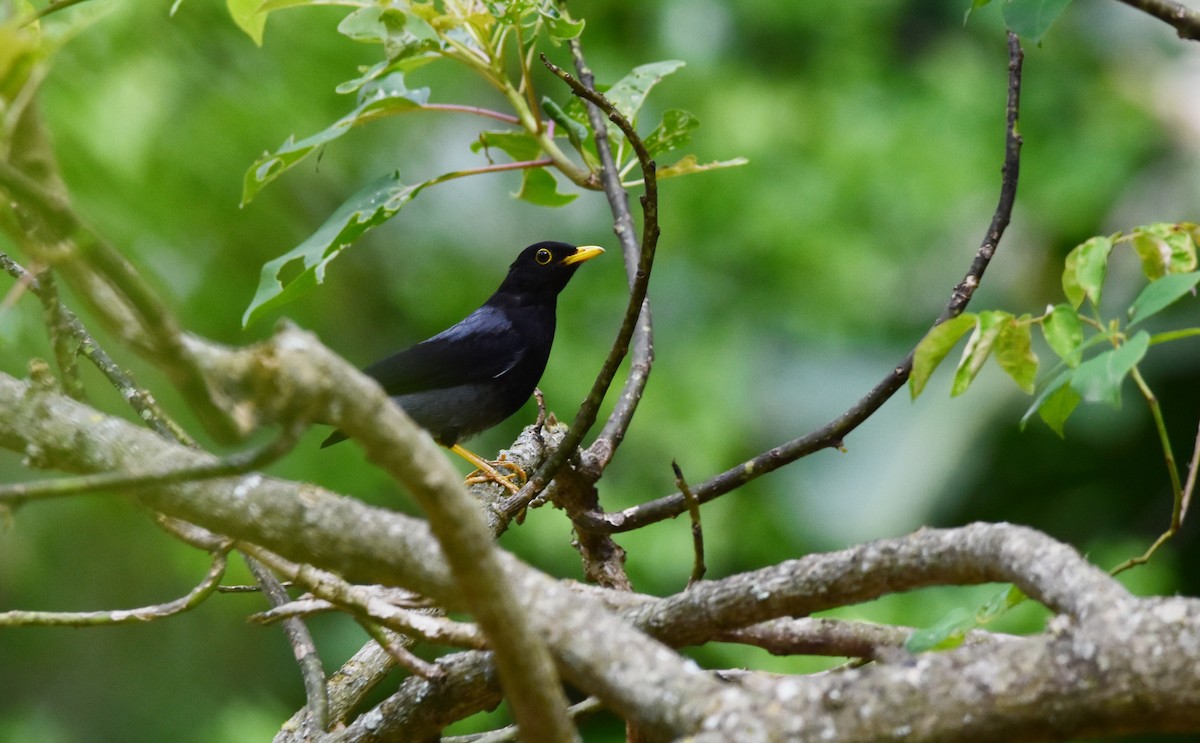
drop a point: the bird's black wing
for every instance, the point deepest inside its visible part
(479, 348)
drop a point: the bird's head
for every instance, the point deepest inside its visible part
(545, 268)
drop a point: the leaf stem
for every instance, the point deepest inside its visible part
(1164, 439)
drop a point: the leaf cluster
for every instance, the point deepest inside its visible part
(1095, 354)
(495, 41)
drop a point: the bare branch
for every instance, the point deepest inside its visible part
(838, 638)
(193, 599)
(637, 295)
(139, 398)
(601, 451)
(833, 433)
(235, 464)
(698, 568)
(1046, 570)
(303, 647)
(362, 543)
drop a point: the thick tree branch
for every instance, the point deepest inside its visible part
(361, 543)
(1111, 659)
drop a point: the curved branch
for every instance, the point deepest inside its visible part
(832, 434)
(637, 295)
(207, 586)
(601, 451)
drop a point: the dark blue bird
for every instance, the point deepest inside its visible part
(473, 375)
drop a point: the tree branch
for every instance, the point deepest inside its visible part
(193, 599)
(601, 451)
(637, 295)
(833, 433)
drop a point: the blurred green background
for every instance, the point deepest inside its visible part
(783, 291)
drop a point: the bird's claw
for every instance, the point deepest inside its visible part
(490, 472)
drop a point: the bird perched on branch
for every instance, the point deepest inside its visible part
(475, 374)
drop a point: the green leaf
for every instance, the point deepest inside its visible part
(630, 92)
(1166, 248)
(1161, 294)
(1153, 252)
(946, 634)
(673, 132)
(975, 5)
(520, 145)
(576, 132)
(688, 165)
(1064, 334)
(934, 347)
(1084, 271)
(1056, 408)
(374, 25)
(385, 97)
(281, 281)
(1054, 403)
(539, 187)
(510, 11)
(1031, 18)
(250, 17)
(21, 48)
(1007, 598)
(1014, 353)
(1099, 379)
(560, 25)
(1185, 258)
(988, 325)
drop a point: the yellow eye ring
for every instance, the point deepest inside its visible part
(543, 257)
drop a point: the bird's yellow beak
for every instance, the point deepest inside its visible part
(581, 254)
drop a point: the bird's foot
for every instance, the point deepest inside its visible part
(490, 472)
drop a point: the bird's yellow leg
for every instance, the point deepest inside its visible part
(485, 470)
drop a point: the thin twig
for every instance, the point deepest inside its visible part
(476, 110)
(377, 604)
(235, 464)
(394, 643)
(601, 451)
(1177, 506)
(832, 434)
(303, 647)
(53, 7)
(1190, 485)
(102, 276)
(637, 294)
(139, 398)
(511, 733)
(123, 616)
(62, 340)
(698, 568)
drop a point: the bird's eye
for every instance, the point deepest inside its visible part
(542, 257)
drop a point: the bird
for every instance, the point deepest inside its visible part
(477, 373)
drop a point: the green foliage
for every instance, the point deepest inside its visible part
(372, 206)
(376, 99)
(1165, 251)
(934, 347)
(1029, 19)
(949, 632)
(481, 37)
